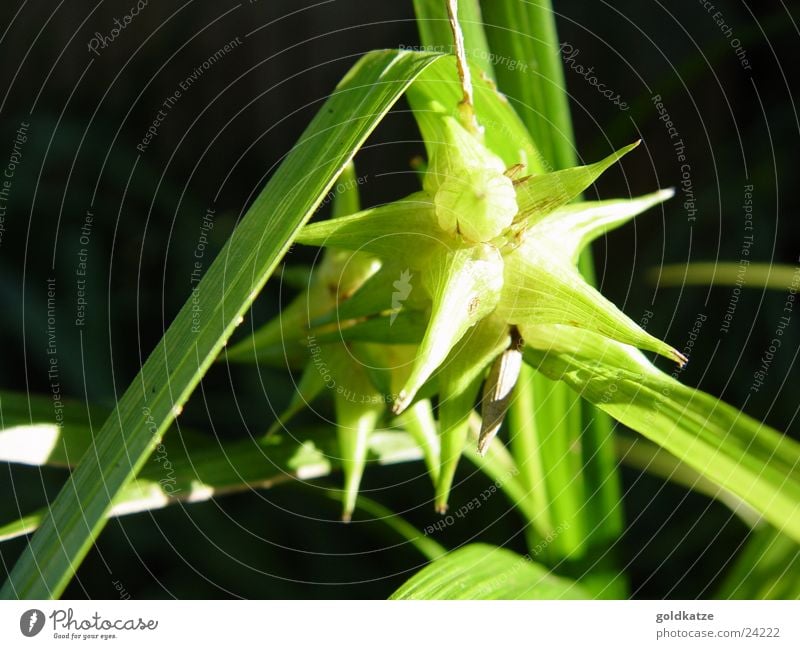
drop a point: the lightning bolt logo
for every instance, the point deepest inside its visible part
(31, 622)
(402, 290)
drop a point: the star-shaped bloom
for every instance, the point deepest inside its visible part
(494, 253)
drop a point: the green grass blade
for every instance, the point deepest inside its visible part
(418, 420)
(499, 466)
(434, 31)
(347, 199)
(479, 571)
(223, 296)
(767, 568)
(546, 464)
(646, 456)
(438, 88)
(25, 525)
(524, 43)
(523, 39)
(773, 276)
(179, 472)
(734, 451)
(29, 433)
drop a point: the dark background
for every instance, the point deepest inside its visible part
(216, 146)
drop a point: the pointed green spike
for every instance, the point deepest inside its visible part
(419, 421)
(575, 226)
(454, 416)
(358, 407)
(542, 288)
(464, 285)
(459, 383)
(405, 226)
(540, 195)
(743, 455)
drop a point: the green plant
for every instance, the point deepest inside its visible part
(476, 285)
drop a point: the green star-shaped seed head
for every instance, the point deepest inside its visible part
(487, 253)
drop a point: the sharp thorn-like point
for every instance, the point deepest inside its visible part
(440, 508)
(347, 516)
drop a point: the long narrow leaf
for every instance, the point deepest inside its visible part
(526, 51)
(736, 452)
(767, 568)
(774, 276)
(434, 31)
(188, 348)
(481, 571)
(179, 473)
(522, 36)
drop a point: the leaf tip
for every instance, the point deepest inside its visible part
(665, 194)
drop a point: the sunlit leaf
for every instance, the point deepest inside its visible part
(736, 452)
(480, 571)
(223, 296)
